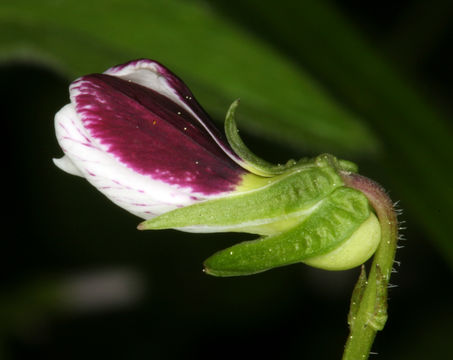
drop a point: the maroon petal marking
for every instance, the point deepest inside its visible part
(153, 135)
(180, 89)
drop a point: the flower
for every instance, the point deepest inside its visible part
(139, 136)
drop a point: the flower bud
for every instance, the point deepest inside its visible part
(139, 136)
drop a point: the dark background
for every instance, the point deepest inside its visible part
(58, 230)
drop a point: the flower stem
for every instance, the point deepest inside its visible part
(368, 311)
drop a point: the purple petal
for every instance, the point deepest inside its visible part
(154, 135)
(155, 76)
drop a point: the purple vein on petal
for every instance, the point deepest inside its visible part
(153, 135)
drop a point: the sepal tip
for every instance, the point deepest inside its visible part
(142, 226)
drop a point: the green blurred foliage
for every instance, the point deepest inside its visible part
(369, 82)
(175, 33)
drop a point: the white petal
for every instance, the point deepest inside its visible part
(147, 73)
(141, 195)
(65, 164)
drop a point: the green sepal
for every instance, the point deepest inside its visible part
(335, 219)
(283, 202)
(347, 166)
(338, 164)
(250, 161)
(355, 251)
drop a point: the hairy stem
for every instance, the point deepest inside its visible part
(368, 312)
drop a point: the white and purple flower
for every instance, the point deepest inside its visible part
(138, 135)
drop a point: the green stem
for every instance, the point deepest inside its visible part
(368, 312)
